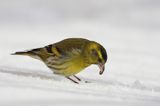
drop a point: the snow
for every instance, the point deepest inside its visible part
(130, 38)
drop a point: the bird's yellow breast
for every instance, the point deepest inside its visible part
(74, 66)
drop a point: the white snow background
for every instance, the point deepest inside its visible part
(129, 30)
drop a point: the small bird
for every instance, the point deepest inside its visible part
(70, 56)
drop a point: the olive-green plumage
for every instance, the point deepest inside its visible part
(70, 56)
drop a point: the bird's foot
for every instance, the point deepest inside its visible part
(80, 79)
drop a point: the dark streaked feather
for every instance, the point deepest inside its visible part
(49, 48)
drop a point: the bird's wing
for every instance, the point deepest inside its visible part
(65, 48)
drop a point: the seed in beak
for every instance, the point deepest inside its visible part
(102, 68)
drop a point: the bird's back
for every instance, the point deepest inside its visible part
(70, 43)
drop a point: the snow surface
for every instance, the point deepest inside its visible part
(132, 75)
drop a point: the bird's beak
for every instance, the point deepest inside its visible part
(101, 67)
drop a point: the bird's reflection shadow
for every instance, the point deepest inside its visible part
(29, 73)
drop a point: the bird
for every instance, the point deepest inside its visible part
(70, 56)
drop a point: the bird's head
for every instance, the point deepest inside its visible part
(96, 54)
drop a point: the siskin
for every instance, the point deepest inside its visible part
(70, 56)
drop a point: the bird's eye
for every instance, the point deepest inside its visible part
(94, 52)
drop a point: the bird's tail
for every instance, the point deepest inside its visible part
(32, 53)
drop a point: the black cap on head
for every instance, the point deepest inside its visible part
(104, 54)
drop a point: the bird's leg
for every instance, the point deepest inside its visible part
(77, 78)
(72, 80)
